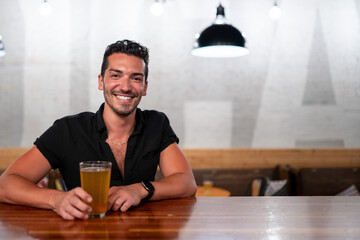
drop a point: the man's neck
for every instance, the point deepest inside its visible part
(118, 126)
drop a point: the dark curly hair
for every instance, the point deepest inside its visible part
(127, 47)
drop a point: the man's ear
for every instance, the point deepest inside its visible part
(100, 82)
(145, 88)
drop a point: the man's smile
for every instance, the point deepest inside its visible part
(123, 97)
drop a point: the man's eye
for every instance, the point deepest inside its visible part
(114, 76)
(138, 79)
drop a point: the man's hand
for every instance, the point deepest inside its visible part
(70, 205)
(123, 197)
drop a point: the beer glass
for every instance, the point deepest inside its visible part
(95, 180)
(208, 183)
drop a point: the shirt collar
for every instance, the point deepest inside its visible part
(139, 117)
(100, 123)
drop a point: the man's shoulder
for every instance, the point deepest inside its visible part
(152, 115)
(80, 118)
(152, 112)
(152, 118)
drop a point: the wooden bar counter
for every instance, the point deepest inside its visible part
(197, 218)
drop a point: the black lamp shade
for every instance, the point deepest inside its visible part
(2, 49)
(220, 34)
(220, 39)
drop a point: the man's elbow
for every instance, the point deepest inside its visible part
(191, 189)
(193, 192)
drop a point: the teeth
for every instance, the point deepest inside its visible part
(123, 97)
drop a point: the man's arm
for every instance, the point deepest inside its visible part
(18, 186)
(178, 182)
(178, 178)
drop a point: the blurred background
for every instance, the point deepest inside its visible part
(299, 87)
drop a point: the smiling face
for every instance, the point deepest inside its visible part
(123, 83)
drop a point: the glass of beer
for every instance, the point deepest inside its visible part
(208, 183)
(95, 180)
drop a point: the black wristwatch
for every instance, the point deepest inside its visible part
(148, 187)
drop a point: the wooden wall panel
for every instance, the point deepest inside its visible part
(8, 155)
(269, 158)
(245, 158)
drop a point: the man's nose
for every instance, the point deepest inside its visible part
(125, 83)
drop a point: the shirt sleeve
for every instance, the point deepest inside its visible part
(50, 142)
(168, 134)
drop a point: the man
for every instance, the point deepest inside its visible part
(135, 141)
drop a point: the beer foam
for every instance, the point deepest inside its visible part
(94, 169)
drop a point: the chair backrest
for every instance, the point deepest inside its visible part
(257, 186)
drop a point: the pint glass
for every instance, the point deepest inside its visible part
(95, 180)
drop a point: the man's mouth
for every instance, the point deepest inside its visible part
(123, 97)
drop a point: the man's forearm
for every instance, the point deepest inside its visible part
(15, 189)
(174, 186)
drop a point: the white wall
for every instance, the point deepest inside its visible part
(298, 87)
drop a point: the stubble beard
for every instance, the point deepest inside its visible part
(122, 109)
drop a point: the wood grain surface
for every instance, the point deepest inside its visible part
(214, 192)
(197, 218)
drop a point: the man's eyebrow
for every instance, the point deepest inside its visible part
(115, 70)
(119, 71)
(136, 74)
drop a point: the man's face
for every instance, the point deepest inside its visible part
(123, 83)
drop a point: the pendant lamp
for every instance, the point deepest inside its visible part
(220, 40)
(275, 11)
(2, 49)
(157, 8)
(45, 8)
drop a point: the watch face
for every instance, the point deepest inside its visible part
(148, 186)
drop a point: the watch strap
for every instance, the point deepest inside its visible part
(149, 188)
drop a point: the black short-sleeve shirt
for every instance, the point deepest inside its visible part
(81, 137)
